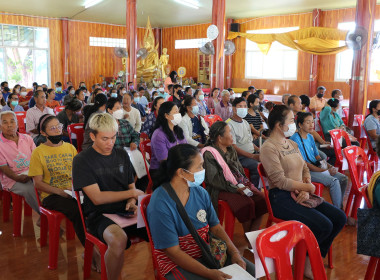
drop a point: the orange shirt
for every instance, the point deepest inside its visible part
(52, 104)
(317, 104)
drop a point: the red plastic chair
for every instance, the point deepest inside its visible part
(211, 119)
(336, 135)
(145, 148)
(299, 237)
(58, 109)
(144, 136)
(371, 274)
(360, 120)
(78, 129)
(17, 210)
(51, 221)
(143, 207)
(271, 218)
(358, 188)
(320, 132)
(89, 248)
(346, 112)
(212, 110)
(21, 121)
(150, 105)
(372, 155)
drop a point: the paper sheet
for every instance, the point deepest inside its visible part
(72, 193)
(261, 184)
(140, 219)
(259, 269)
(137, 161)
(237, 272)
(122, 222)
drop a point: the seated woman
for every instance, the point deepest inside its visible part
(68, 116)
(50, 167)
(213, 99)
(305, 102)
(254, 119)
(335, 181)
(165, 134)
(331, 120)
(290, 183)
(50, 102)
(193, 125)
(151, 118)
(126, 135)
(372, 122)
(99, 106)
(223, 174)
(199, 97)
(12, 104)
(374, 185)
(179, 256)
(80, 95)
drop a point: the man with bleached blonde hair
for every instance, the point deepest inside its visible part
(105, 175)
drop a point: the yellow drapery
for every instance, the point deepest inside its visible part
(314, 40)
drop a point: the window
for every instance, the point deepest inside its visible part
(343, 65)
(190, 43)
(108, 42)
(24, 55)
(280, 63)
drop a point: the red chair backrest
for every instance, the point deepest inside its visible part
(336, 134)
(359, 119)
(78, 129)
(372, 155)
(298, 236)
(21, 121)
(58, 109)
(145, 148)
(144, 136)
(345, 112)
(263, 175)
(352, 155)
(211, 119)
(320, 132)
(80, 210)
(143, 207)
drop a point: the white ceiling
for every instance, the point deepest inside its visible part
(165, 13)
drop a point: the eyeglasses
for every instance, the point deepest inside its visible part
(56, 127)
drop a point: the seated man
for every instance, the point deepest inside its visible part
(317, 102)
(15, 152)
(243, 140)
(34, 114)
(224, 108)
(105, 175)
(285, 98)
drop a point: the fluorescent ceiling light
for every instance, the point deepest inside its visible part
(190, 3)
(90, 3)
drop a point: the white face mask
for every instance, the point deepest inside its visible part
(201, 97)
(72, 92)
(242, 112)
(118, 114)
(292, 129)
(177, 119)
(340, 97)
(123, 91)
(23, 93)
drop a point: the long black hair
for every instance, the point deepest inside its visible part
(173, 76)
(186, 103)
(100, 100)
(179, 156)
(277, 115)
(162, 122)
(155, 101)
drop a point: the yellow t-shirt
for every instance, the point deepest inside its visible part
(54, 164)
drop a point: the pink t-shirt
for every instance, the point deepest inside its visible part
(16, 157)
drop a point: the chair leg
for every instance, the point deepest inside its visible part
(6, 205)
(88, 250)
(27, 209)
(330, 258)
(371, 268)
(17, 213)
(43, 230)
(349, 202)
(70, 232)
(377, 273)
(356, 205)
(54, 223)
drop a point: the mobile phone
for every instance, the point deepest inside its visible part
(127, 214)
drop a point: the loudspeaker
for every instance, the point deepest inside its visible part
(235, 27)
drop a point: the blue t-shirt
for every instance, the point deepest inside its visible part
(311, 148)
(165, 222)
(59, 95)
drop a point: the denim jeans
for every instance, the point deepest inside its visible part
(337, 185)
(251, 164)
(325, 221)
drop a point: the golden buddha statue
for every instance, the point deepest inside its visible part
(147, 67)
(164, 60)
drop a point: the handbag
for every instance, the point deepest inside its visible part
(213, 255)
(368, 241)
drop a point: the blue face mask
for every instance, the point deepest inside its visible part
(199, 177)
(114, 95)
(137, 99)
(195, 110)
(14, 103)
(58, 89)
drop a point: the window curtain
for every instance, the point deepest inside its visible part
(314, 40)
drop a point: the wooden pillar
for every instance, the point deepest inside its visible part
(228, 59)
(365, 17)
(158, 38)
(65, 44)
(131, 41)
(314, 58)
(218, 18)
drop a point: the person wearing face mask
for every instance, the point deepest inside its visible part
(199, 97)
(126, 135)
(290, 184)
(143, 100)
(131, 114)
(179, 255)
(71, 114)
(177, 95)
(2, 101)
(193, 125)
(23, 98)
(99, 106)
(372, 122)
(243, 139)
(166, 133)
(232, 94)
(225, 179)
(151, 118)
(122, 90)
(59, 93)
(34, 114)
(51, 169)
(130, 86)
(70, 96)
(12, 104)
(224, 107)
(135, 103)
(254, 119)
(317, 102)
(337, 94)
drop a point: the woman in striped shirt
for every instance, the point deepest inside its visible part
(253, 117)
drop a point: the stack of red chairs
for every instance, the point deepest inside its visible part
(78, 130)
(21, 121)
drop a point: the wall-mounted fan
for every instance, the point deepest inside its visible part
(229, 47)
(120, 52)
(212, 32)
(142, 53)
(357, 38)
(376, 41)
(208, 49)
